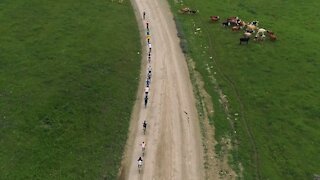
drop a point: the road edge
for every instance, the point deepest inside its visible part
(133, 127)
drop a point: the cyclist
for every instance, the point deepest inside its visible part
(146, 101)
(143, 146)
(140, 162)
(144, 124)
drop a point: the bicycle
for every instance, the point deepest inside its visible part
(145, 101)
(140, 163)
(143, 148)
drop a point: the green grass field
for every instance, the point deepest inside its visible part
(68, 78)
(273, 86)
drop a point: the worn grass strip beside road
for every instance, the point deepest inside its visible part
(68, 80)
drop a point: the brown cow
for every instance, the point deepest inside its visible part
(272, 36)
(233, 18)
(214, 18)
(235, 28)
(252, 28)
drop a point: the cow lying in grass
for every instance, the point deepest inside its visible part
(272, 36)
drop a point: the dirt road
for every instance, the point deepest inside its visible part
(173, 142)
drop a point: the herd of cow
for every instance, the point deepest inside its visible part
(237, 24)
(250, 28)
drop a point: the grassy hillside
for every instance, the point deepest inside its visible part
(273, 86)
(68, 79)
